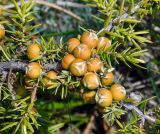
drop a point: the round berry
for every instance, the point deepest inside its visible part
(72, 44)
(67, 60)
(103, 44)
(82, 52)
(118, 92)
(33, 51)
(49, 78)
(94, 65)
(89, 96)
(91, 80)
(104, 97)
(78, 67)
(107, 79)
(90, 39)
(2, 31)
(33, 70)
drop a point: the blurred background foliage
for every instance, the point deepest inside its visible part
(72, 110)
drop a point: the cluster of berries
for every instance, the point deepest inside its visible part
(33, 70)
(83, 61)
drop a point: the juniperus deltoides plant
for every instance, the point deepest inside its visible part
(83, 66)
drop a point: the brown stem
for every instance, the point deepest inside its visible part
(90, 125)
(22, 66)
(33, 94)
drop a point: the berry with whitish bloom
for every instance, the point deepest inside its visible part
(103, 44)
(91, 80)
(104, 97)
(33, 70)
(118, 92)
(78, 67)
(90, 39)
(94, 65)
(107, 79)
(82, 52)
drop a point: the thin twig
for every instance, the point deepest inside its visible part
(90, 125)
(70, 4)
(34, 92)
(140, 113)
(124, 15)
(52, 5)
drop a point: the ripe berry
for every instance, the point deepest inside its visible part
(118, 92)
(82, 52)
(67, 60)
(107, 79)
(91, 80)
(94, 65)
(72, 44)
(103, 44)
(104, 97)
(48, 79)
(90, 39)
(78, 67)
(33, 51)
(89, 96)
(33, 70)
(2, 31)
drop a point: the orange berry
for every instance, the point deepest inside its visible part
(33, 70)
(78, 67)
(107, 79)
(67, 60)
(48, 79)
(94, 65)
(103, 44)
(2, 31)
(104, 97)
(90, 39)
(91, 80)
(82, 52)
(89, 96)
(33, 51)
(72, 44)
(118, 92)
